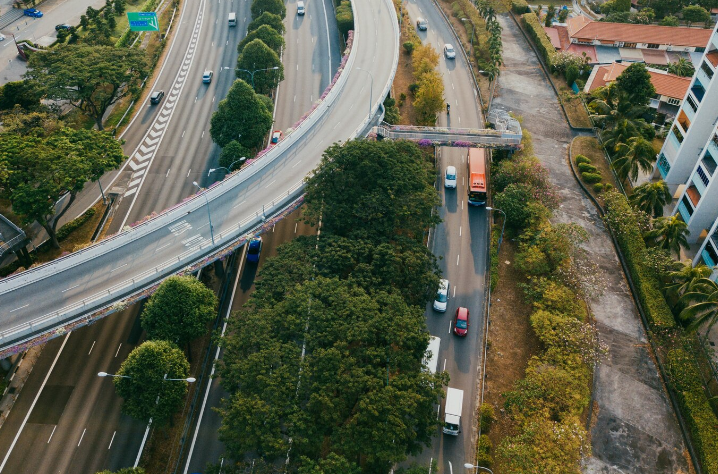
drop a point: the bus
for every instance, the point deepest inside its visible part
(476, 163)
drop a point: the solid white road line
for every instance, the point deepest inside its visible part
(113, 438)
(93, 346)
(118, 349)
(39, 392)
(53, 432)
(72, 287)
(83, 435)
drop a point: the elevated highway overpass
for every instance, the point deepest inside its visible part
(48, 300)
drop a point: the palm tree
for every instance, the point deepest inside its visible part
(651, 197)
(684, 278)
(681, 68)
(635, 154)
(668, 233)
(611, 106)
(701, 304)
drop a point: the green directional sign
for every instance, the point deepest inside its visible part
(143, 21)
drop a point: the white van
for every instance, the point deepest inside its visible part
(232, 19)
(300, 8)
(431, 358)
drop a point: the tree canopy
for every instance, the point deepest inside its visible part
(143, 387)
(240, 116)
(275, 7)
(26, 94)
(267, 34)
(49, 162)
(257, 56)
(636, 82)
(381, 191)
(267, 18)
(695, 14)
(179, 310)
(90, 78)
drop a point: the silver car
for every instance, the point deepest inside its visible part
(442, 296)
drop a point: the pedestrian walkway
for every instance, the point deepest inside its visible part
(634, 429)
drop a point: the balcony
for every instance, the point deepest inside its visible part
(698, 90)
(684, 209)
(708, 163)
(663, 165)
(684, 120)
(693, 194)
(709, 254)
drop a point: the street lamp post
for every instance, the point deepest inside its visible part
(503, 224)
(472, 31)
(105, 374)
(228, 168)
(209, 216)
(371, 87)
(251, 73)
(468, 465)
(102, 192)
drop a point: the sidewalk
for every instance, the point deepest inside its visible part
(633, 427)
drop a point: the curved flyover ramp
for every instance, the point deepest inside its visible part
(40, 302)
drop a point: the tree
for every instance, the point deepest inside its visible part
(126, 470)
(240, 116)
(179, 311)
(670, 20)
(119, 7)
(682, 68)
(645, 16)
(701, 301)
(563, 15)
(90, 78)
(345, 17)
(550, 13)
(424, 59)
(269, 19)
(634, 155)
(146, 393)
(267, 34)
(26, 94)
(613, 109)
(257, 55)
(429, 97)
(355, 186)
(695, 14)
(651, 197)
(232, 154)
(44, 167)
(635, 81)
(517, 201)
(275, 7)
(668, 233)
(683, 279)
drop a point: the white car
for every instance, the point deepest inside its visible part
(207, 76)
(442, 296)
(450, 177)
(449, 51)
(2, 37)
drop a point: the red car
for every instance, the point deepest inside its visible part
(461, 321)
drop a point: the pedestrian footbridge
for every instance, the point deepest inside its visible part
(506, 134)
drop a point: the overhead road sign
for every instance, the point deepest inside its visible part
(143, 21)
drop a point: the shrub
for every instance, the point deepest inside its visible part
(345, 18)
(520, 7)
(483, 453)
(587, 168)
(521, 209)
(413, 87)
(598, 187)
(408, 47)
(74, 224)
(552, 296)
(591, 178)
(486, 412)
(582, 159)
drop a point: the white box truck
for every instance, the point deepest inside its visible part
(431, 359)
(452, 411)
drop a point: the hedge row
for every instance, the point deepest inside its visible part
(520, 7)
(539, 37)
(74, 224)
(345, 18)
(621, 218)
(696, 409)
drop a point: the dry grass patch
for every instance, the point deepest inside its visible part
(591, 149)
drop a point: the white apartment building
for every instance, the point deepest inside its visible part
(688, 161)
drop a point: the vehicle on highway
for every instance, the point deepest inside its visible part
(156, 97)
(442, 296)
(452, 411)
(2, 37)
(276, 136)
(450, 177)
(63, 26)
(300, 8)
(431, 358)
(422, 24)
(461, 321)
(33, 12)
(207, 76)
(449, 51)
(233, 19)
(254, 249)
(476, 170)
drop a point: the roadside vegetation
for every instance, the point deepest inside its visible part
(324, 365)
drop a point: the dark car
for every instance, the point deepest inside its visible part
(461, 321)
(33, 12)
(64, 26)
(156, 97)
(254, 249)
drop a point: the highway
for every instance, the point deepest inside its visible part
(67, 419)
(90, 279)
(460, 241)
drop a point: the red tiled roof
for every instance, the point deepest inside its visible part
(653, 56)
(578, 49)
(629, 33)
(552, 34)
(668, 85)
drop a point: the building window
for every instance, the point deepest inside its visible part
(692, 103)
(709, 254)
(700, 50)
(652, 46)
(709, 163)
(702, 176)
(688, 204)
(630, 45)
(663, 165)
(698, 89)
(707, 70)
(672, 101)
(677, 133)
